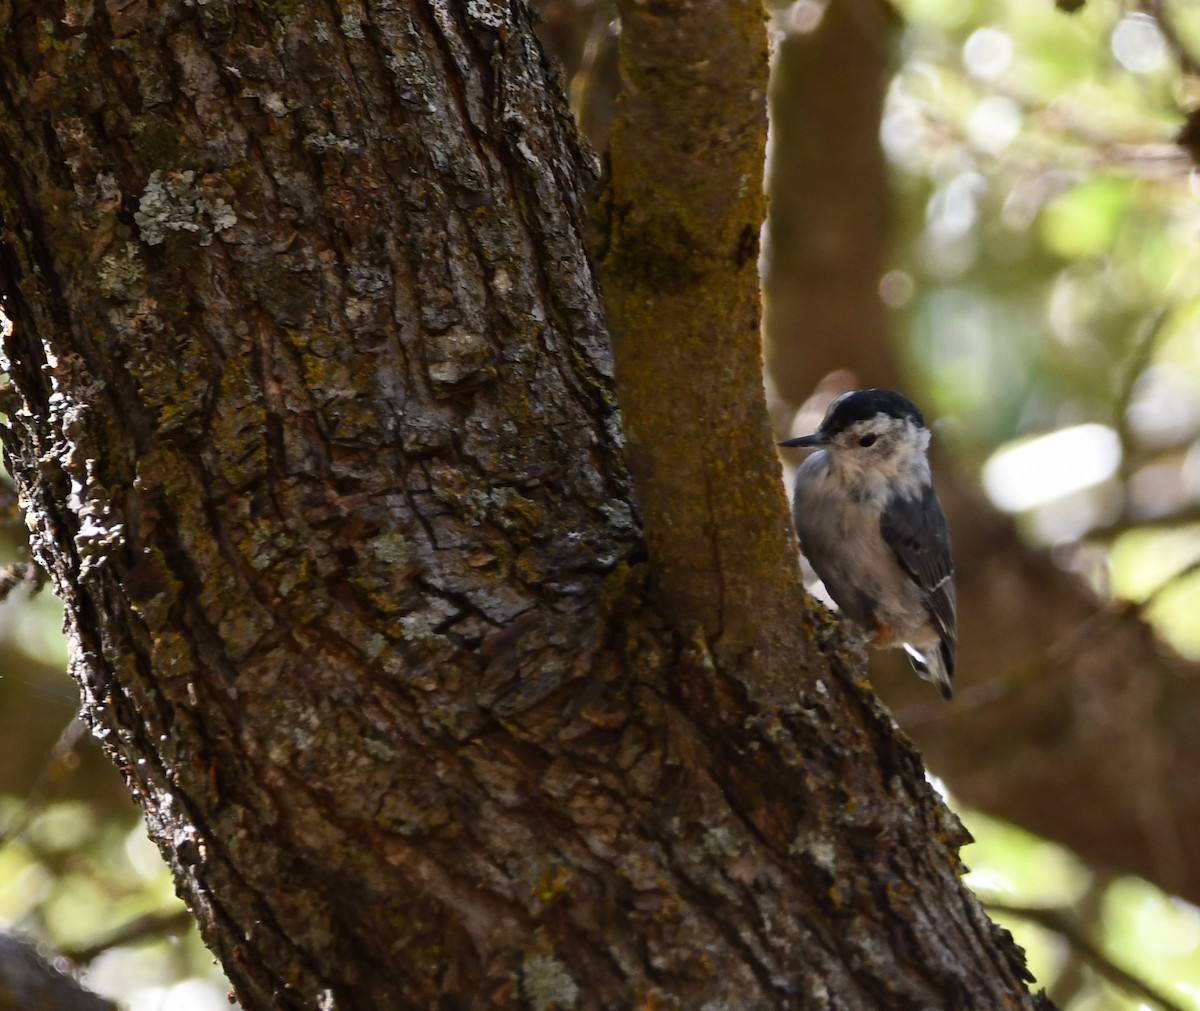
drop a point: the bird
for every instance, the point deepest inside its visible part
(871, 526)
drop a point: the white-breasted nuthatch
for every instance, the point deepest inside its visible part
(871, 526)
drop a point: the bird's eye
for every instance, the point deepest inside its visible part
(867, 440)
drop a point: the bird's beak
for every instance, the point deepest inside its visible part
(816, 439)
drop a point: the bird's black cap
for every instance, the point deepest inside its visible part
(859, 405)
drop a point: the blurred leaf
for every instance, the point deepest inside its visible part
(1085, 221)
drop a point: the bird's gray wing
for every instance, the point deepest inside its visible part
(915, 529)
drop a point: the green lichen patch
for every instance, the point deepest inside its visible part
(391, 548)
(177, 204)
(547, 985)
(330, 143)
(120, 273)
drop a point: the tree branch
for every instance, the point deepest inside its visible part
(1184, 57)
(681, 280)
(149, 927)
(29, 983)
(1062, 923)
(58, 765)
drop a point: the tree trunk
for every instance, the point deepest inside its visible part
(313, 417)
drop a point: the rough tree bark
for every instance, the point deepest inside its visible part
(311, 410)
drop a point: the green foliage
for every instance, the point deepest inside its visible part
(1047, 277)
(1036, 177)
(1085, 222)
(1133, 924)
(1047, 243)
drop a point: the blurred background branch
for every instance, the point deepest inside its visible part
(1070, 930)
(29, 983)
(150, 927)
